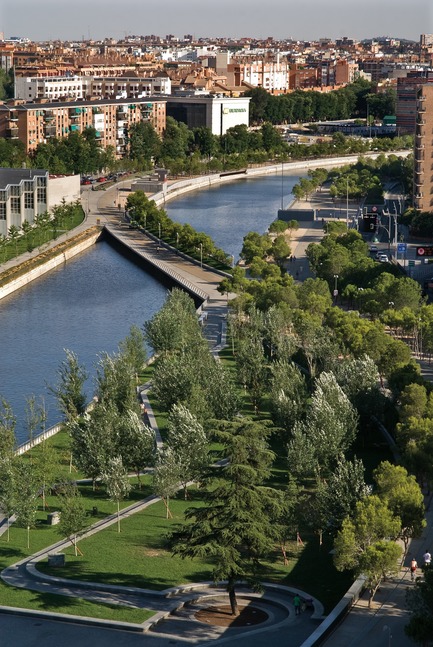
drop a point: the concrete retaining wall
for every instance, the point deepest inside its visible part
(52, 263)
(337, 614)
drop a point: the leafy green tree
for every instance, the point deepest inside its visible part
(404, 498)
(133, 349)
(174, 326)
(288, 394)
(136, 443)
(144, 143)
(115, 382)
(166, 476)
(188, 442)
(337, 496)
(234, 529)
(7, 431)
(362, 544)
(7, 493)
(26, 495)
(117, 483)
(73, 518)
(69, 389)
(280, 250)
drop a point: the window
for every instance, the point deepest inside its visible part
(29, 200)
(2, 210)
(15, 206)
(42, 196)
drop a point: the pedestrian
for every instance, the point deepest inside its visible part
(294, 258)
(297, 605)
(427, 558)
(413, 567)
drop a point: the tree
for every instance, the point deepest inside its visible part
(288, 394)
(7, 493)
(337, 496)
(362, 544)
(166, 477)
(188, 441)
(132, 347)
(69, 389)
(174, 325)
(27, 487)
(7, 431)
(404, 498)
(136, 443)
(117, 483)
(73, 519)
(234, 529)
(280, 250)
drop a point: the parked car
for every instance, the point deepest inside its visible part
(383, 258)
(374, 249)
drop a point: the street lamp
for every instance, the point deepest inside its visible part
(347, 203)
(201, 254)
(335, 293)
(159, 232)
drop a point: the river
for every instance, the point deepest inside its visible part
(89, 304)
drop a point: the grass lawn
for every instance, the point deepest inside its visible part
(140, 556)
(44, 535)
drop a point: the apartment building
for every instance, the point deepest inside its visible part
(423, 157)
(36, 123)
(406, 106)
(54, 88)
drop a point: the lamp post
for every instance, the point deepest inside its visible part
(201, 254)
(335, 293)
(347, 203)
(159, 231)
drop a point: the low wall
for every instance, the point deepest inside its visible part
(337, 614)
(43, 268)
(177, 189)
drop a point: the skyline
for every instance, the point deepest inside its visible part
(281, 19)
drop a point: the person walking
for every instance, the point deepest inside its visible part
(413, 567)
(427, 558)
(297, 605)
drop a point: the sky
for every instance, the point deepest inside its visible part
(297, 19)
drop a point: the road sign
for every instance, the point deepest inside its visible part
(427, 250)
(402, 248)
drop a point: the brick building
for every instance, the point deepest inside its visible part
(423, 158)
(36, 123)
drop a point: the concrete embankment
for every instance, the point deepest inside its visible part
(35, 268)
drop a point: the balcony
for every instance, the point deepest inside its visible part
(421, 122)
(11, 133)
(419, 196)
(50, 131)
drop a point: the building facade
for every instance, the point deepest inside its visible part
(37, 123)
(23, 195)
(423, 157)
(79, 88)
(217, 113)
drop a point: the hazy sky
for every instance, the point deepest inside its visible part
(298, 19)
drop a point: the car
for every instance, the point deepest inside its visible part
(374, 248)
(383, 258)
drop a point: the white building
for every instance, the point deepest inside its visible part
(26, 193)
(217, 113)
(33, 88)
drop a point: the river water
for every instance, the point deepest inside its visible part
(89, 304)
